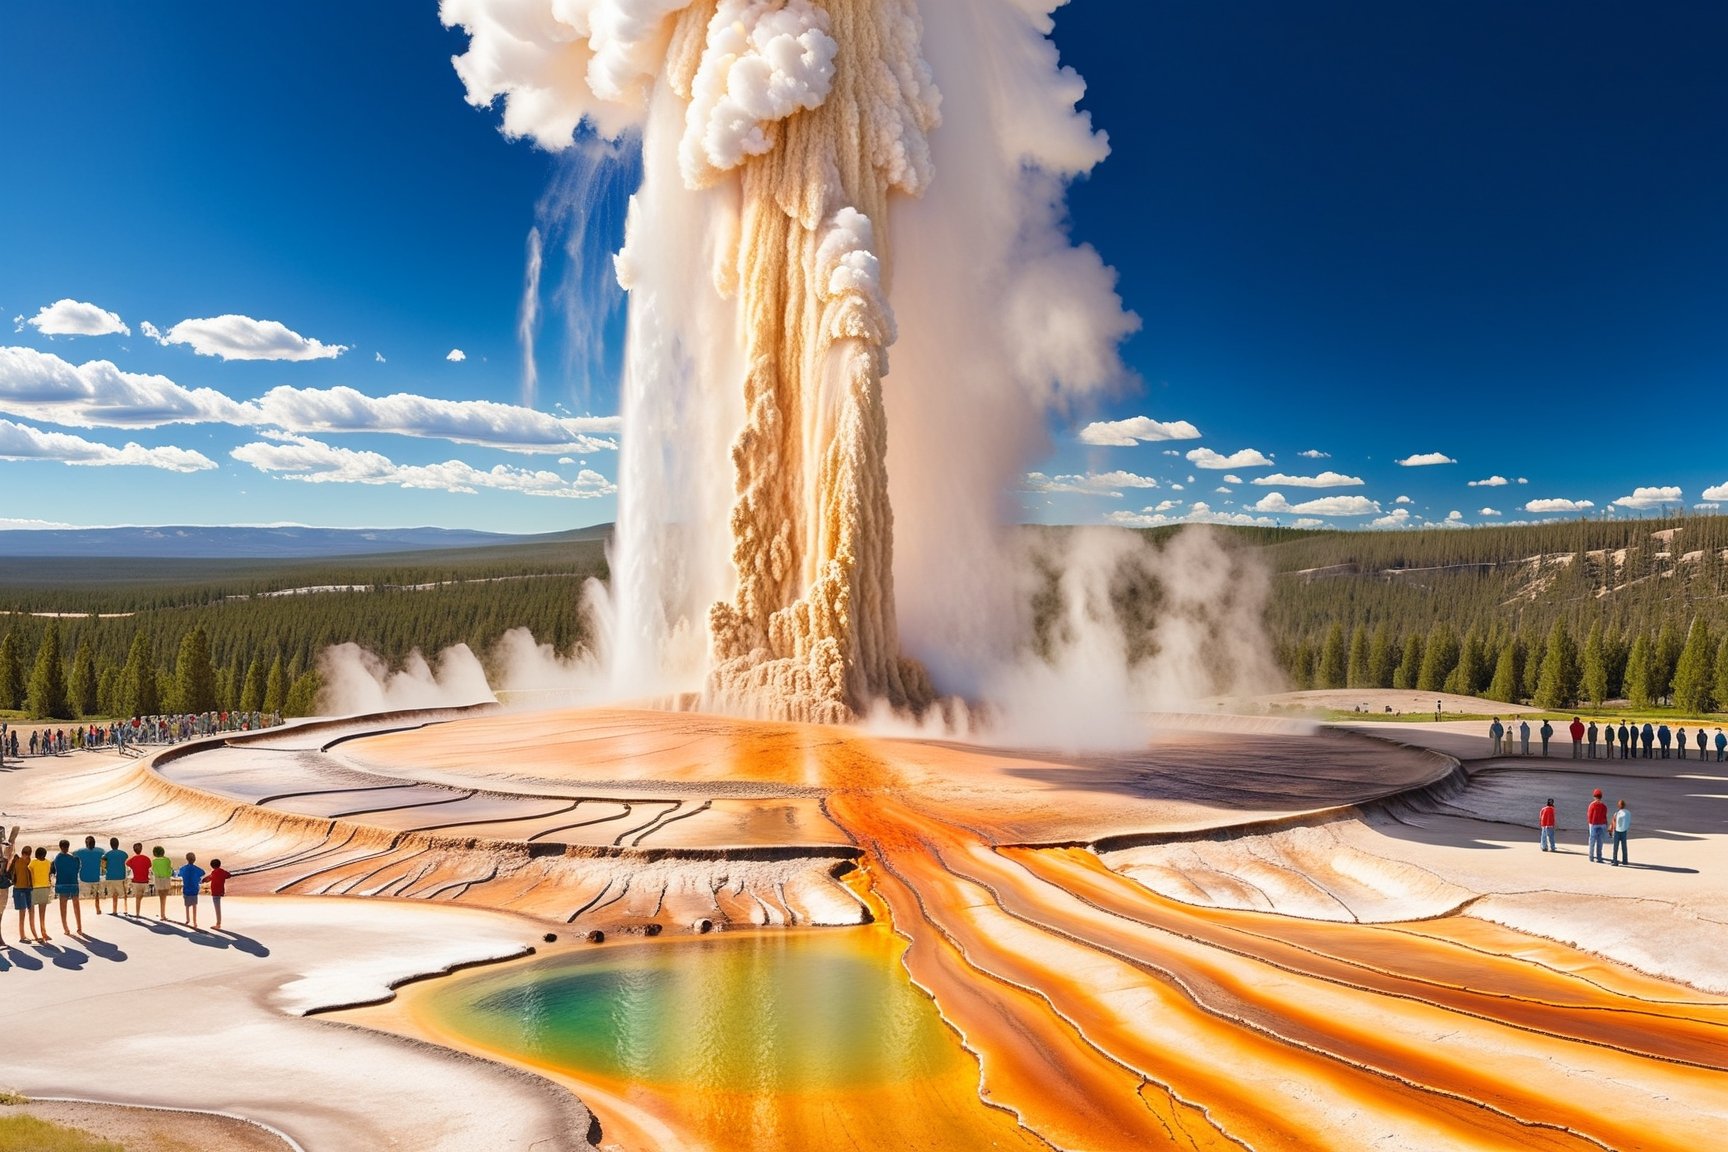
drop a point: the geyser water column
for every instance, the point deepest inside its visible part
(821, 111)
(782, 141)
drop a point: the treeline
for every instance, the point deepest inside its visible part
(1610, 606)
(262, 650)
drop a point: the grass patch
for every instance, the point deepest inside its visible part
(9, 1099)
(27, 1132)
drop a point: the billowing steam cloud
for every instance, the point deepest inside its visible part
(859, 176)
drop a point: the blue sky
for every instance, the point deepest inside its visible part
(1488, 233)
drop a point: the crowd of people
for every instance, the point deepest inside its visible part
(1654, 741)
(138, 731)
(94, 874)
(1600, 825)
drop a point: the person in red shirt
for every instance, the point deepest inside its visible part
(1596, 816)
(218, 887)
(138, 872)
(1577, 730)
(1546, 822)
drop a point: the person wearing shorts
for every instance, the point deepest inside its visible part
(161, 879)
(41, 893)
(19, 866)
(138, 878)
(114, 875)
(90, 872)
(218, 888)
(191, 878)
(66, 887)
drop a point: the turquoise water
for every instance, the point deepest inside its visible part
(776, 1014)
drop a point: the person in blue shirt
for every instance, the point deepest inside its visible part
(191, 878)
(113, 876)
(64, 868)
(1649, 735)
(1664, 737)
(90, 872)
(1721, 745)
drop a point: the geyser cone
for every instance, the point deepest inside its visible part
(810, 631)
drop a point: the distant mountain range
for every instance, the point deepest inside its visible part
(195, 542)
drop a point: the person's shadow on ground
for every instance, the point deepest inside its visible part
(103, 949)
(71, 959)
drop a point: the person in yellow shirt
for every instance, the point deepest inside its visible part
(41, 893)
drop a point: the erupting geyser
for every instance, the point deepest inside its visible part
(786, 146)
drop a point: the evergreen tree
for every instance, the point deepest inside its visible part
(1615, 650)
(1439, 657)
(108, 689)
(1358, 674)
(1557, 685)
(1719, 682)
(1595, 682)
(1471, 676)
(194, 674)
(1530, 652)
(84, 696)
(1410, 665)
(1382, 658)
(1332, 667)
(45, 697)
(1641, 673)
(140, 692)
(252, 694)
(1694, 675)
(1504, 686)
(1665, 659)
(303, 696)
(11, 671)
(276, 686)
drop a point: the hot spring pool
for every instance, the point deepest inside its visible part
(762, 1040)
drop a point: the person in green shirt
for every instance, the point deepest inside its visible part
(161, 879)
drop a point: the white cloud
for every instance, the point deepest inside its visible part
(42, 386)
(9, 524)
(1176, 487)
(75, 318)
(1403, 500)
(1397, 518)
(1308, 521)
(1314, 454)
(150, 330)
(1133, 430)
(1487, 512)
(482, 422)
(1199, 512)
(1425, 458)
(1707, 507)
(242, 338)
(378, 357)
(1715, 492)
(1558, 505)
(456, 355)
(1649, 498)
(1491, 482)
(1246, 458)
(1323, 480)
(1455, 516)
(1224, 490)
(1172, 452)
(1522, 480)
(22, 442)
(315, 462)
(1229, 478)
(1323, 506)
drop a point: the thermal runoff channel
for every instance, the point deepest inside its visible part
(851, 294)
